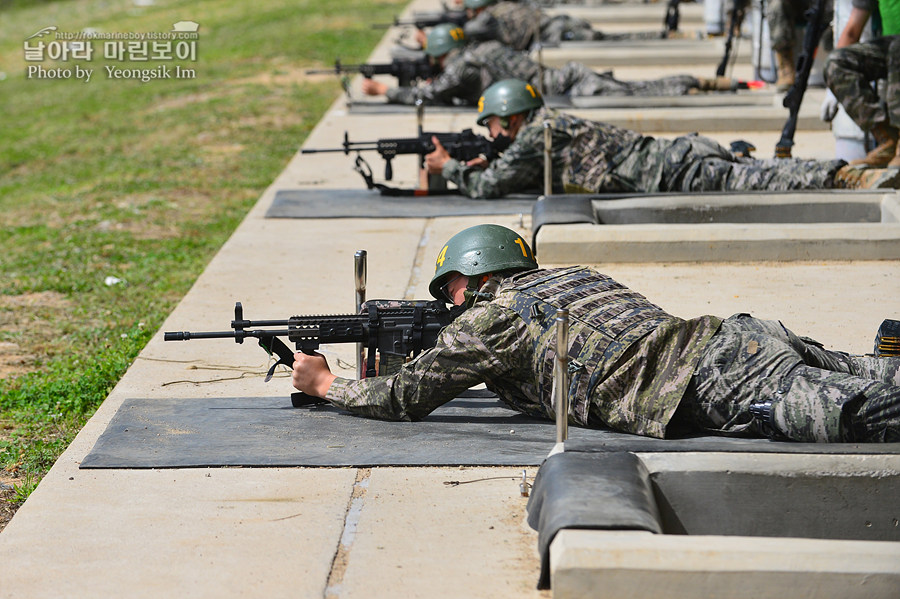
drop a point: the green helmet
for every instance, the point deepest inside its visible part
(506, 98)
(443, 38)
(477, 251)
(476, 4)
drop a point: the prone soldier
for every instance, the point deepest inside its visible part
(521, 25)
(637, 369)
(467, 70)
(591, 157)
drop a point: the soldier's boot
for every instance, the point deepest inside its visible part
(853, 177)
(885, 150)
(787, 70)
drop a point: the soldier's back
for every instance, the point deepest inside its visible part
(519, 25)
(497, 62)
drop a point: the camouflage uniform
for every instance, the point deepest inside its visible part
(633, 360)
(468, 72)
(783, 16)
(519, 25)
(589, 157)
(849, 72)
(636, 368)
(818, 395)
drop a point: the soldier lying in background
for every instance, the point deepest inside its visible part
(591, 157)
(467, 70)
(520, 25)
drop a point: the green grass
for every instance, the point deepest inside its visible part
(138, 181)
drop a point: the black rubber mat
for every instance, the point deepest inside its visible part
(364, 203)
(474, 429)
(609, 491)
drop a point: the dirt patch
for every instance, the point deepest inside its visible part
(7, 494)
(22, 314)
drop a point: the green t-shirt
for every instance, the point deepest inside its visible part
(890, 16)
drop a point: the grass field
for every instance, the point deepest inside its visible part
(115, 193)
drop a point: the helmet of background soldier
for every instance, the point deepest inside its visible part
(477, 251)
(443, 38)
(506, 98)
(476, 4)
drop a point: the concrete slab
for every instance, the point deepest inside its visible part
(640, 564)
(203, 532)
(630, 13)
(441, 552)
(603, 54)
(722, 227)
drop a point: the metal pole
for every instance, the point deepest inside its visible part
(359, 275)
(560, 397)
(548, 163)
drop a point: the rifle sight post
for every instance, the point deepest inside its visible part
(359, 275)
(560, 399)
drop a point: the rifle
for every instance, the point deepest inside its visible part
(738, 10)
(462, 146)
(421, 20)
(388, 328)
(816, 24)
(406, 70)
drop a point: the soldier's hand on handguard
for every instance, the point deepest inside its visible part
(371, 87)
(421, 37)
(434, 161)
(480, 162)
(311, 374)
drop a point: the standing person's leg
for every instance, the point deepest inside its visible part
(849, 74)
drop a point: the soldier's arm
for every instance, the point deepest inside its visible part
(461, 359)
(853, 29)
(458, 80)
(484, 27)
(518, 170)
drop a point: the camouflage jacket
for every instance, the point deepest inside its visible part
(516, 25)
(467, 72)
(520, 169)
(633, 360)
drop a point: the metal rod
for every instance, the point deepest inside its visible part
(560, 397)
(548, 162)
(359, 275)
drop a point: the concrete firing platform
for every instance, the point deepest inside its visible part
(804, 225)
(382, 532)
(661, 52)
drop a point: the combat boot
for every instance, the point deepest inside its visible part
(852, 177)
(787, 70)
(886, 148)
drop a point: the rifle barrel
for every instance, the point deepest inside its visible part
(188, 335)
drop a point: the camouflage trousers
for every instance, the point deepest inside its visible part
(562, 28)
(576, 79)
(849, 72)
(817, 395)
(691, 163)
(783, 17)
(695, 163)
